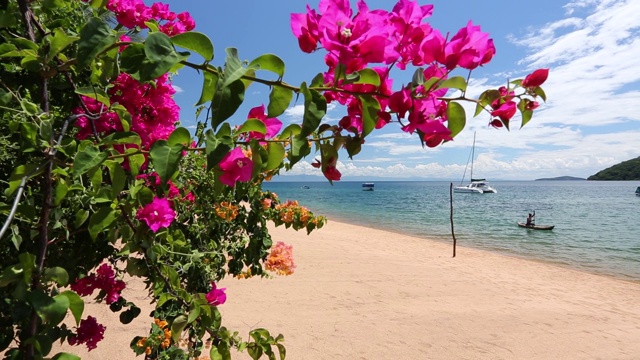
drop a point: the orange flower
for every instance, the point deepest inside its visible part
(280, 259)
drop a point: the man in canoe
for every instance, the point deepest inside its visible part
(530, 219)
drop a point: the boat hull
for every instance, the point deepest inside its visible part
(536, 227)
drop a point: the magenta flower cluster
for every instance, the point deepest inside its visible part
(399, 37)
(216, 296)
(153, 110)
(105, 280)
(134, 13)
(157, 214)
(90, 332)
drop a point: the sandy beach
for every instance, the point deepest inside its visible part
(360, 293)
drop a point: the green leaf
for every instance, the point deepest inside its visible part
(58, 42)
(526, 113)
(16, 177)
(135, 161)
(299, 149)
(95, 37)
(368, 76)
(118, 178)
(353, 146)
(81, 216)
(195, 41)
(370, 110)
(180, 136)
(456, 118)
(120, 138)
(132, 58)
(291, 130)
(50, 310)
(88, 158)
(29, 107)
(165, 159)
(539, 92)
(178, 325)
(279, 100)
(60, 191)
(226, 102)
(161, 56)
(317, 81)
(276, 155)
(269, 62)
(486, 98)
(208, 87)
(97, 94)
(282, 350)
(194, 312)
(315, 107)
(101, 220)
(253, 125)
(57, 274)
(76, 304)
(456, 82)
(233, 69)
(218, 145)
(65, 356)
(418, 78)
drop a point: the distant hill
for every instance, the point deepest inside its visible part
(626, 170)
(561, 178)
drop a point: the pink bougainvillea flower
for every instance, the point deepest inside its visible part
(216, 296)
(496, 123)
(84, 286)
(531, 105)
(273, 125)
(331, 173)
(280, 259)
(305, 29)
(536, 78)
(157, 214)
(235, 166)
(506, 111)
(469, 48)
(90, 332)
(105, 280)
(435, 132)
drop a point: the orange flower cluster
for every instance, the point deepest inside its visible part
(245, 275)
(280, 259)
(291, 211)
(226, 210)
(164, 339)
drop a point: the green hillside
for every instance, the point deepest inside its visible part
(626, 170)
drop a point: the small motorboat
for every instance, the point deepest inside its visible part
(367, 186)
(536, 227)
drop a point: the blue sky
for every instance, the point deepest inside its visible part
(589, 123)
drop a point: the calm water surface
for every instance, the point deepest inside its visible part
(597, 224)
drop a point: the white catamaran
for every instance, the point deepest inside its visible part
(476, 186)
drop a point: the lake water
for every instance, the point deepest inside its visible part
(597, 224)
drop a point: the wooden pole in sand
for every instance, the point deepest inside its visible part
(451, 217)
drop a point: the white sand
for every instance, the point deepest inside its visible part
(360, 293)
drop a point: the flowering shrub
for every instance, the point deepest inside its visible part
(100, 181)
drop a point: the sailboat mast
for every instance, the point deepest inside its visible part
(473, 153)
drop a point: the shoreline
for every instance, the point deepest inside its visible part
(493, 250)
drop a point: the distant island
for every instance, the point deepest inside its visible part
(561, 178)
(626, 170)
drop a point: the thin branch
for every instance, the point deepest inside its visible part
(16, 201)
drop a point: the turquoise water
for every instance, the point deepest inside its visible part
(597, 224)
